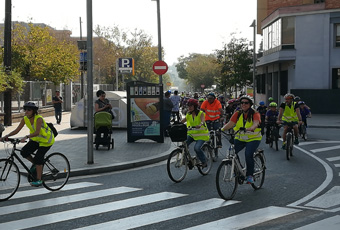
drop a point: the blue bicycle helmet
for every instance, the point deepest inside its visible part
(261, 103)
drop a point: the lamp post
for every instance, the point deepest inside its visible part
(254, 58)
(159, 35)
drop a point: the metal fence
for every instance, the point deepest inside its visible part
(42, 92)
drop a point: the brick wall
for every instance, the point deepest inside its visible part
(332, 4)
(275, 4)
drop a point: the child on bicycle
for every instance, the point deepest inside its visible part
(271, 118)
(305, 112)
(40, 138)
(249, 119)
(195, 118)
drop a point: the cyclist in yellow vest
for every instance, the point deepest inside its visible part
(195, 118)
(40, 138)
(250, 119)
(289, 113)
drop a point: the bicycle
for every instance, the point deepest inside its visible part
(213, 138)
(180, 159)
(56, 172)
(273, 135)
(289, 139)
(231, 173)
(303, 130)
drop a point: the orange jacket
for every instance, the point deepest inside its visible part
(212, 111)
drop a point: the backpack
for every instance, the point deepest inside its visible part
(53, 129)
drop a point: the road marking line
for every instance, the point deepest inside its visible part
(331, 223)
(327, 181)
(333, 159)
(325, 149)
(337, 165)
(329, 199)
(41, 191)
(162, 215)
(88, 211)
(317, 142)
(64, 200)
(247, 219)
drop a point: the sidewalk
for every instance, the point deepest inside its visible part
(73, 143)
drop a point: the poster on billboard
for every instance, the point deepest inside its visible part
(145, 111)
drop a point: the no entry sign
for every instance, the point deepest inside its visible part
(160, 67)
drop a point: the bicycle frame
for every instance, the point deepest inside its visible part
(15, 156)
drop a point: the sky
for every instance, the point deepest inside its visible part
(187, 26)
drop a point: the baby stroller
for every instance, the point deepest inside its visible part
(103, 129)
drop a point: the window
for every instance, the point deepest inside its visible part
(337, 35)
(272, 35)
(288, 32)
(261, 84)
(335, 78)
(283, 82)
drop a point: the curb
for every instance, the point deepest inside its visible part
(324, 126)
(121, 166)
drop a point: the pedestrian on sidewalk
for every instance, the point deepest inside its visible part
(175, 99)
(57, 101)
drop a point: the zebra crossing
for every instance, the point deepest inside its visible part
(133, 198)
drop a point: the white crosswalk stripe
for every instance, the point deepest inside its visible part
(64, 200)
(248, 219)
(87, 211)
(131, 199)
(162, 215)
(42, 191)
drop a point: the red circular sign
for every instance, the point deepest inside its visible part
(202, 86)
(160, 67)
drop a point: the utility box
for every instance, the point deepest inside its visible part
(144, 107)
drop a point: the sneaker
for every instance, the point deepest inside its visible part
(296, 142)
(219, 146)
(36, 183)
(284, 146)
(250, 180)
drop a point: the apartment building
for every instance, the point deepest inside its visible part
(301, 52)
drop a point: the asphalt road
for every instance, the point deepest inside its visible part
(296, 193)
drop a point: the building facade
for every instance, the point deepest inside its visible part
(301, 52)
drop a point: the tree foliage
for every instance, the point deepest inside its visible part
(119, 44)
(235, 59)
(198, 69)
(12, 81)
(37, 55)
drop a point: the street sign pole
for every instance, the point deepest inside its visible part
(117, 72)
(89, 85)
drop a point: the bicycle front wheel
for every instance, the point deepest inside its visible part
(226, 180)
(208, 151)
(177, 165)
(56, 171)
(259, 171)
(9, 179)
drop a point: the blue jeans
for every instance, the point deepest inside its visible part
(197, 148)
(249, 152)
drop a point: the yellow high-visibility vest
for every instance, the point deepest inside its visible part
(45, 137)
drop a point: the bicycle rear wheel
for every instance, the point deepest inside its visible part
(208, 151)
(226, 180)
(259, 171)
(9, 179)
(304, 132)
(276, 138)
(177, 166)
(289, 145)
(56, 171)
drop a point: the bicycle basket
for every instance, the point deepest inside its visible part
(178, 133)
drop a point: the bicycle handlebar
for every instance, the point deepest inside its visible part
(12, 140)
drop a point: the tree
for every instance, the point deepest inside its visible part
(12, 81)
(136, 45)
(37, 55)
(198, 69)
(235, 59)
